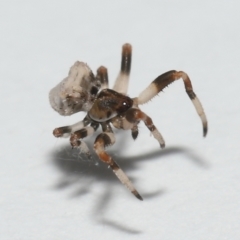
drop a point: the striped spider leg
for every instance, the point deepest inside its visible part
(107, 139)
(121, 83)
(163, 81)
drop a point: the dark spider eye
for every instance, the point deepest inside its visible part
(124, 106)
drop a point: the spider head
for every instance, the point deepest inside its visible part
(109, 104)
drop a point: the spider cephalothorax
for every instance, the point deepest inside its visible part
(82, 91)
(109, 104)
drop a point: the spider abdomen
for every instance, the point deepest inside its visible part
(76, 92)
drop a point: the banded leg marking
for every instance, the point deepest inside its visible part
(163, 81)
(134, 115)
(80, 134)
(121, 83)
(102, 75)
(103, 140)
(67, 130)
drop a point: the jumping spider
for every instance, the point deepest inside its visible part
(82, 91)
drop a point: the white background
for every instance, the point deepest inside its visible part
(191, 189)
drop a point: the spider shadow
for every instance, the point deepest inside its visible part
(77, 169)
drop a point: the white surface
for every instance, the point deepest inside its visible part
(191, 190)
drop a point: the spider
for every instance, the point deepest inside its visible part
(83, 91)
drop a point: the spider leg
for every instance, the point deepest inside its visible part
(67, 130)
(80, 134)
(106, 139)
(134, 115)
(102, 76)
(163, 81)
(121, 83)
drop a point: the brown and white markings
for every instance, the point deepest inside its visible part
(82, 91)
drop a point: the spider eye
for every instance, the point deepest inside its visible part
(125, 105)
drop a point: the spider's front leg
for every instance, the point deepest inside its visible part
(134, 115)
(67, 130)
(80, 134)
(106, 139)
(163, 81)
